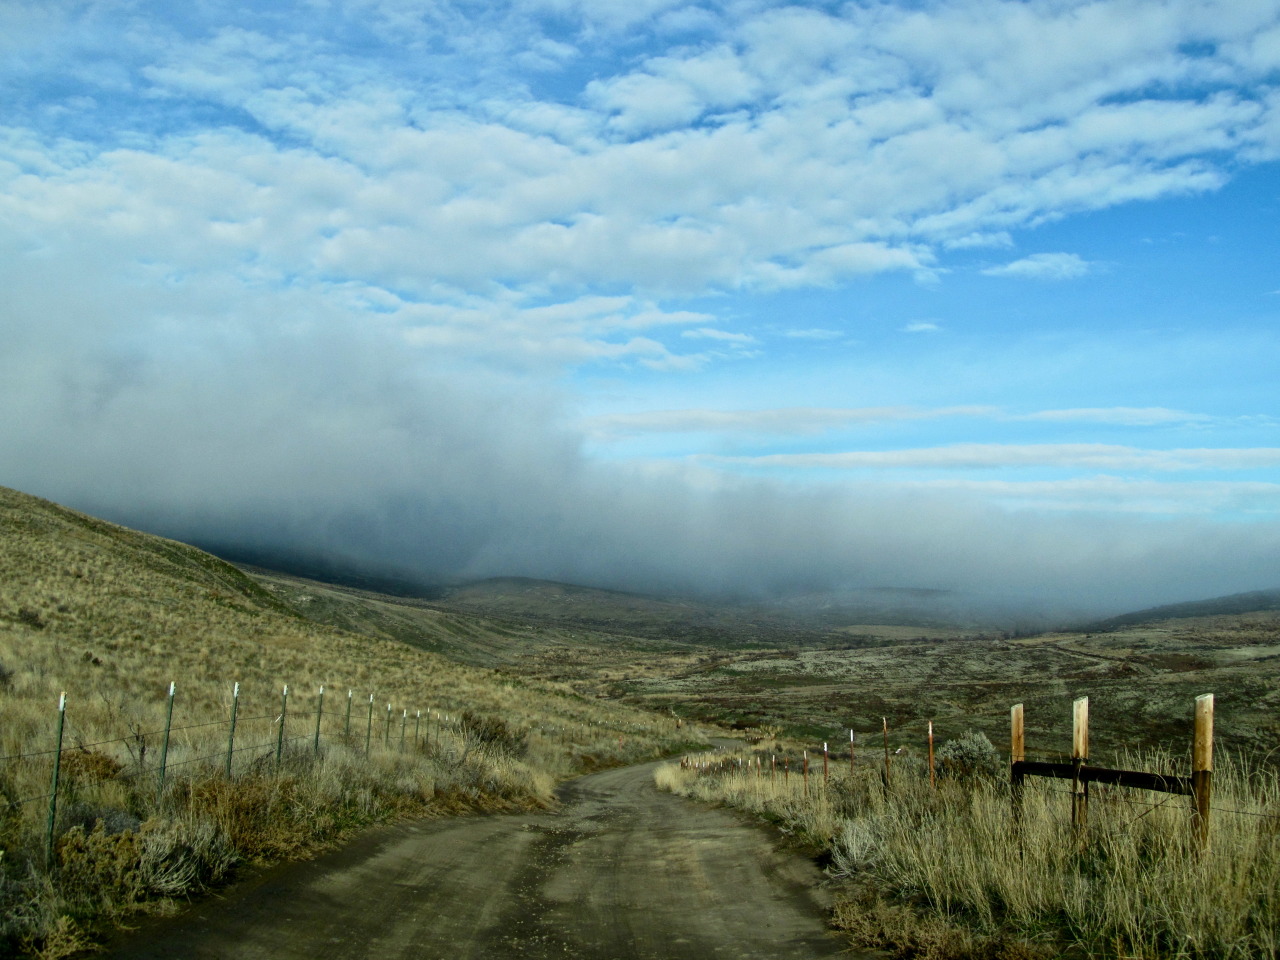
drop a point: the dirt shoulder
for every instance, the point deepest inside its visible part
(619, 871)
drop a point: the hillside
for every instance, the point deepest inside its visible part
(1236, 603)
(111, 617)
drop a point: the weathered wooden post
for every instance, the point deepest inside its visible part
(315, 741)
(933, 779)
(1202, 768)
(1017, 754)
(368, 731)
(284, 715)
(164, 746)
(888, 777)
(1079, 757)
(231, 734)
(53, 788)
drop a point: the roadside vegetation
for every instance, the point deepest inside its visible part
(111, 617)
(943, 874)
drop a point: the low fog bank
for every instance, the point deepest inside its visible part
(339, 445)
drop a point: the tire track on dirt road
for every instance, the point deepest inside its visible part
(620, 872)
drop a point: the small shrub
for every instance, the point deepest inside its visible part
(31, 618)
(493, 731)
(87, 766)
(88, 817)
(971, 757)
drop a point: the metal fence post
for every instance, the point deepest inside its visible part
(346, 727)
(315, 743)
(368, 733)
(53, 790)
(231, 736)
(284, 713)
(164, 747)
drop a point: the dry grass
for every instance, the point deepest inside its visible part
(942, 873)
(112, 616)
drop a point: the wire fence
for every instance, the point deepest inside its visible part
(145, 754)
(1111, 786)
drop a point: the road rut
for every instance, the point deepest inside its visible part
(620, 871)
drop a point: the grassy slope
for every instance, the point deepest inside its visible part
(111, 616)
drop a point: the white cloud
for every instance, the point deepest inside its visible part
(921, 326)
(816, 333)
(724, 336)
(1121, 416)
(1120, 495)
(1043, 266)
(984, 456)
(780, 421)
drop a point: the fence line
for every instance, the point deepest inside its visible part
(1076, 770)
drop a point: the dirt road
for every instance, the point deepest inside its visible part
(620, 871)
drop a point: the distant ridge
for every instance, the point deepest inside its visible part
(1216, 606)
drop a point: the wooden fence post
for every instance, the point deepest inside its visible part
(164, 747)
(1017, 754)
(53, 789)
(933, 780)
(315, 741)
(284, 714)
(231, 734)
(1079, 757)
(888, 777)
(1202, 768)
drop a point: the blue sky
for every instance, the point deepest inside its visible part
(720, 296)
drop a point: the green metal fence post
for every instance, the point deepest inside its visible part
(368, 733)
(53, 790)
(315, 744)
(231, 735)
(164, 747)
(284, 713)
(346, 728)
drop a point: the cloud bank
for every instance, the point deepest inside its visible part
(318, 278)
